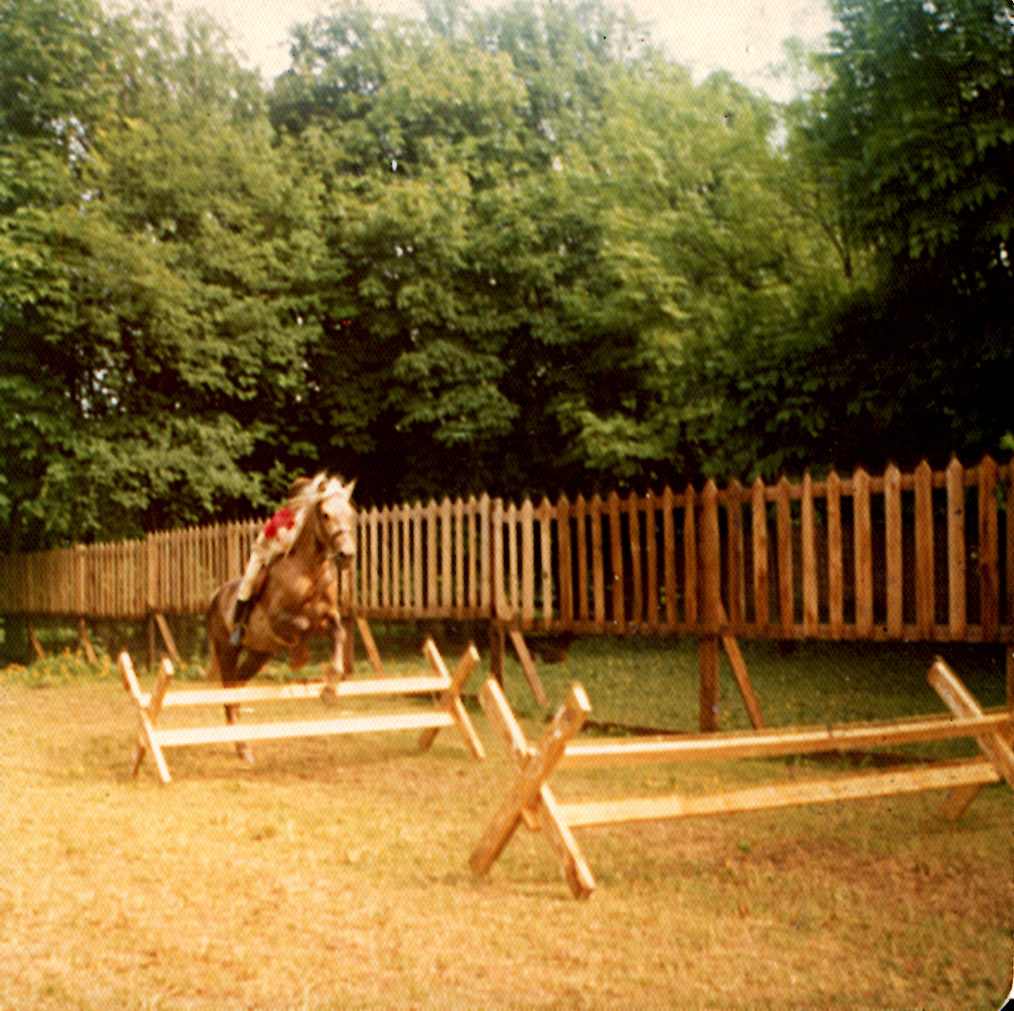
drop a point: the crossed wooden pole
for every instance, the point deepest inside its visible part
(531, 800)
(448, 711)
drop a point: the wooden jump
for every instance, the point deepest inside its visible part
(449, 710)
(532, 801)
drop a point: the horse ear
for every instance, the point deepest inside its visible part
(350, 486)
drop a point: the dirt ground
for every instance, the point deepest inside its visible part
(333, 874)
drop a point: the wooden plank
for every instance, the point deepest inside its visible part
(636, 573)
(709, 693)
(363, 626)
(893, 559)
(485, 576)
(564, 572)
(690, 563)
(147, 740)
(387, 548)
(710, 562)
(616, 558)
(417, 604)
(956, 549)
(524, 656)
(737, 589)
(460, 581)
(152, 706)
(598, 564)
(33, 639)
(580, 513)
(430, 517)
(511, 519)
(862, 786)
(336, 726)
(759, 534)
(546, 550)
(359, 688)
(167, 637)
(527, 562)
(496, 569)
(835, 565)
(786, 590)
(530, 790)
(995, 744)
(450, 699)
(669, 557)
(989, 550)
(863, 553)
(86, 643)
(1008, 489)
(778, 742)
(651, 562)
(742, 677)
(475, 570)
(808, 529)
(925, 591)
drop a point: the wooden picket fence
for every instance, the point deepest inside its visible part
(902, 556)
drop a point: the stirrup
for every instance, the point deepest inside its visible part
(236, 638)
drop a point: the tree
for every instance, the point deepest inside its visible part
(150, 317)
(915, 125)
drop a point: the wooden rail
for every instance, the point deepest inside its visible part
(532, 801)
(901, 556)
(448, 712)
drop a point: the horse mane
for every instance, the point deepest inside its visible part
(315, 489)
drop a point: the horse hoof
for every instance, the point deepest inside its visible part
(245, 753)
(329, 695)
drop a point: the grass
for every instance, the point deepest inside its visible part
(332, 874)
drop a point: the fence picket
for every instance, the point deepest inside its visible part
(989, 581)
(892, 517)
(759, 535)
(784, 545)
(616, 558)
(564, 572)
(631, 564)
(651, 560)
(808, 547)
(956, 549)
(863, 553)
(925, 587)
(835, 565)
(546, 545)
(690, 564)
(598, 569)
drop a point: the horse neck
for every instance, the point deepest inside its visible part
(309, 548)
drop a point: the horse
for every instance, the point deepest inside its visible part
(296, 601)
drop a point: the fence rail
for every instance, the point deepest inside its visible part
(919, 555)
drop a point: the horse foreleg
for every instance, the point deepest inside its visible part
(334, 670)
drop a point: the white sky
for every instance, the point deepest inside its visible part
(742, 36)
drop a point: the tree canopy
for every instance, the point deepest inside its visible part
(517, 250)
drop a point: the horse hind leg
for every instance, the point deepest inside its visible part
(251, 665)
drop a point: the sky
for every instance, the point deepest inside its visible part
(742, 36)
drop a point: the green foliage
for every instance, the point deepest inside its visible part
(914, 132)
(515, 250)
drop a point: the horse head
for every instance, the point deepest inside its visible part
(335, 518)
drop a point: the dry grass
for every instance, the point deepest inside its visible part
(333, 874)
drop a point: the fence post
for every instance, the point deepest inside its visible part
(711, 606)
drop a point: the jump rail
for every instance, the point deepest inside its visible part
(531, 799)
(449, 710)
